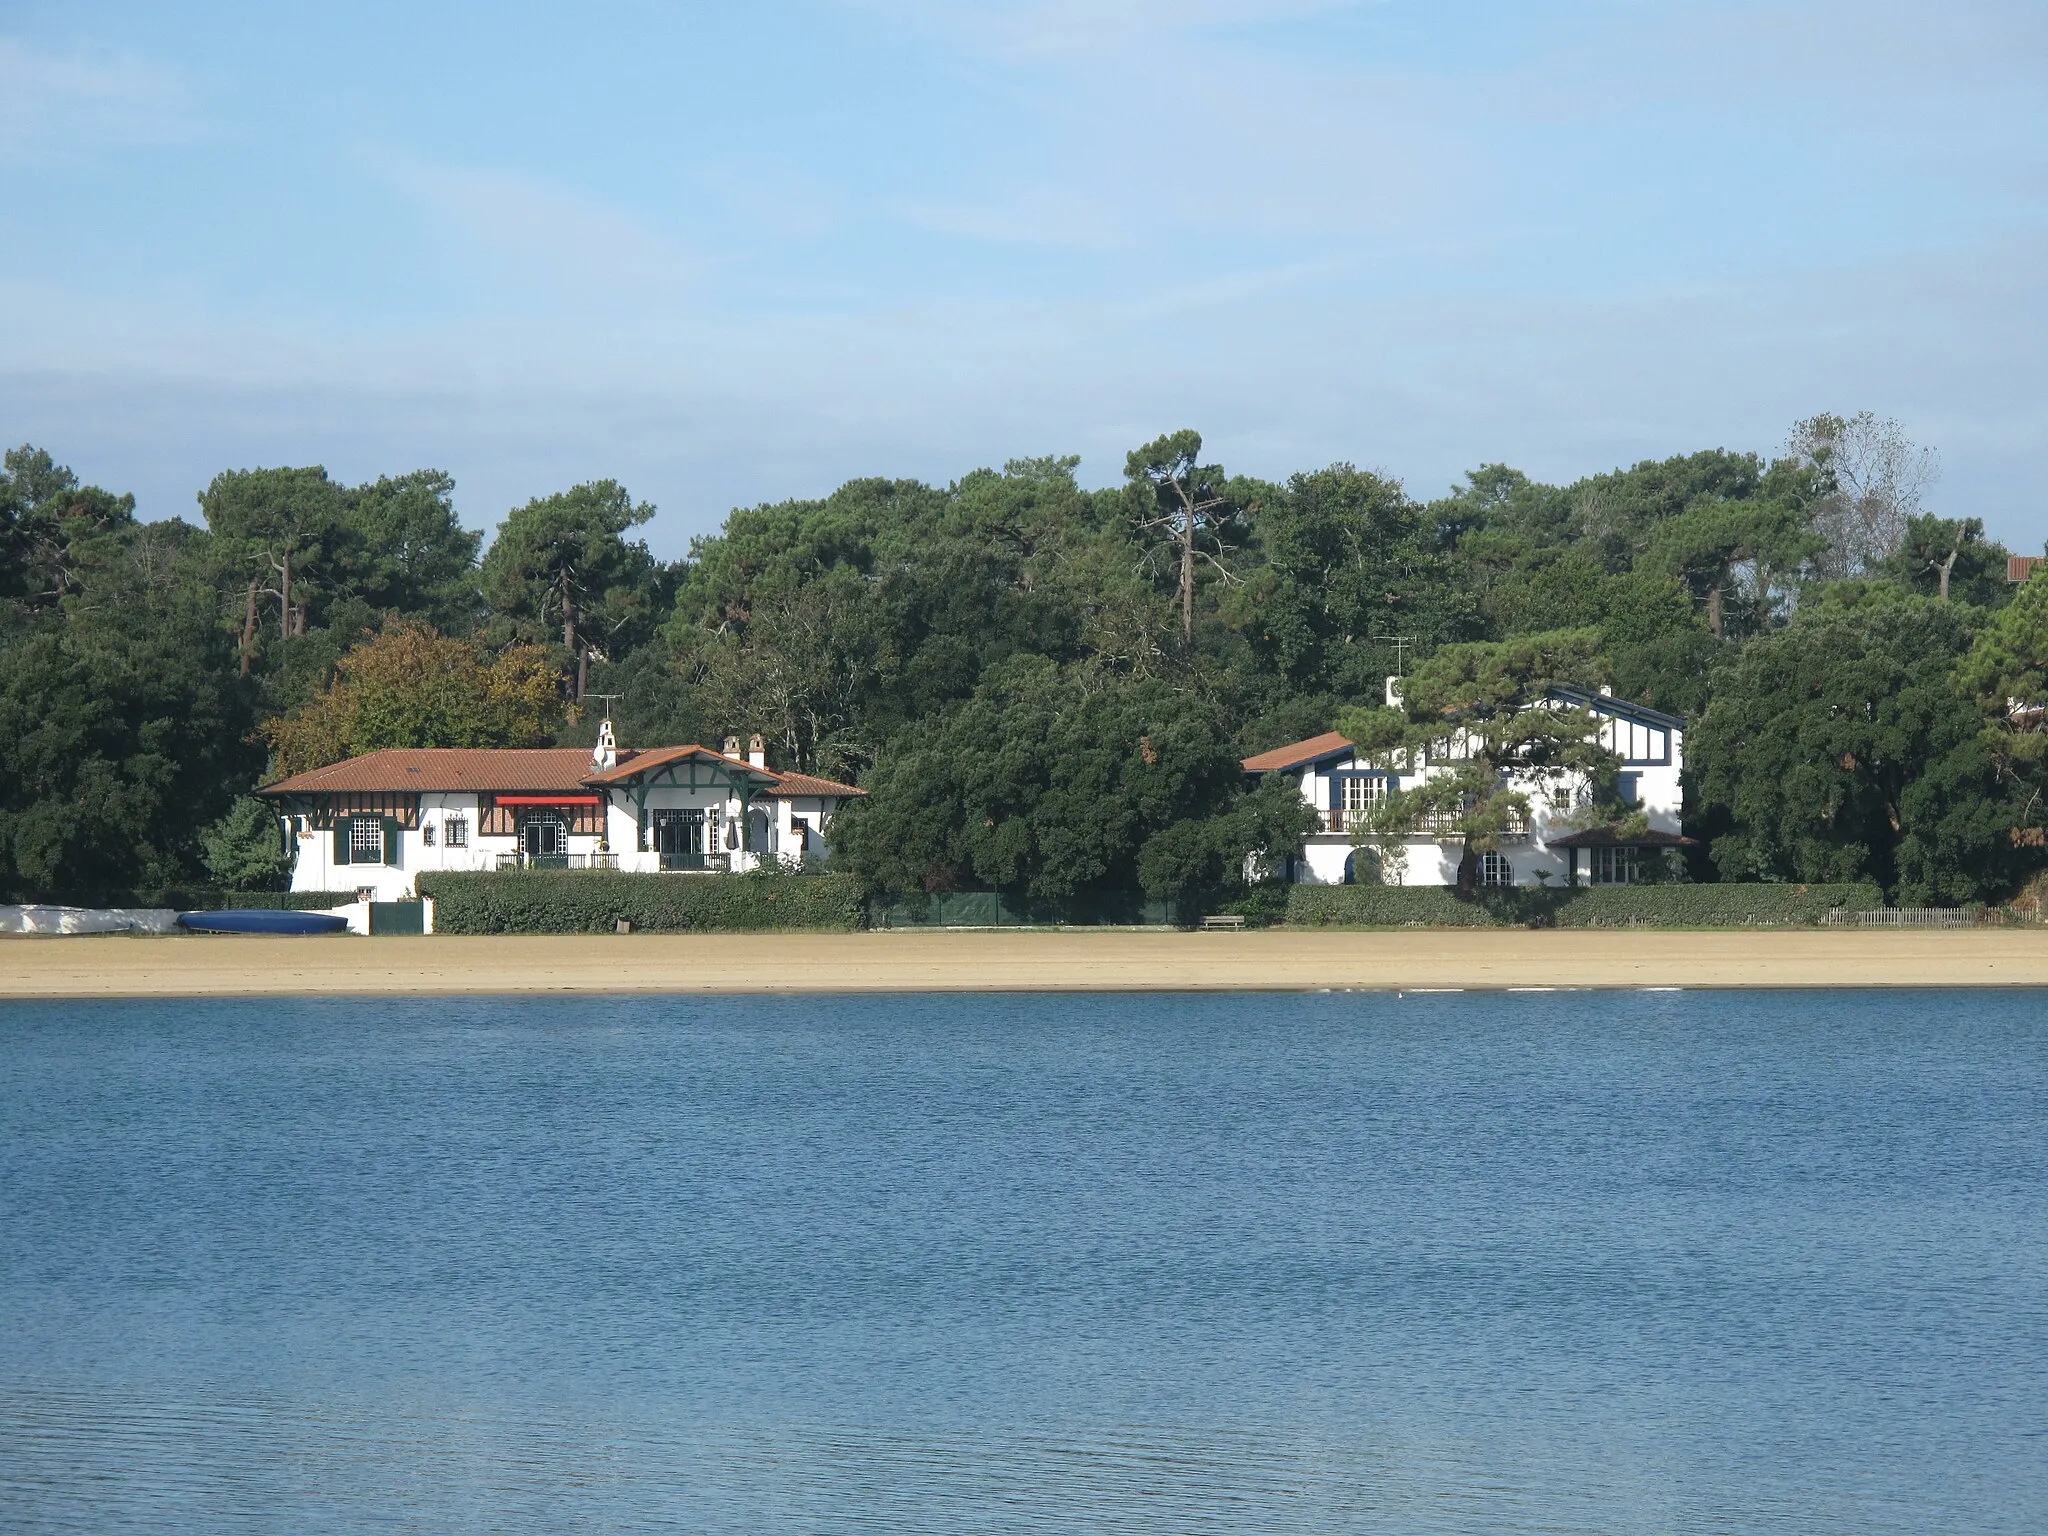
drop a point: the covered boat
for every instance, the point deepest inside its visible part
(262, 920)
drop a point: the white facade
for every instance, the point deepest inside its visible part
(670, 809)
(1650, 744)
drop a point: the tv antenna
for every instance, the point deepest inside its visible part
(1400, 644)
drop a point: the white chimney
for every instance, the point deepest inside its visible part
(1606, 692)
(732, 746)
(606, 754)
(757, 751)
(1393, 693)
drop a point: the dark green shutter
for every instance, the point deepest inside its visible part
(341, 835)
(391, 842)
(643, 829)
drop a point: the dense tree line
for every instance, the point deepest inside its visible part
(1045, 687)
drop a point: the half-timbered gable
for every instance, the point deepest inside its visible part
(375, 822)
(1551, 846)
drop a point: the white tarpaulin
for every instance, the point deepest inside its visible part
(88, 920)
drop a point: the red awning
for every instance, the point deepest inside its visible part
(547, 799)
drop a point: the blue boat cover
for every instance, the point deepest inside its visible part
(262, 920)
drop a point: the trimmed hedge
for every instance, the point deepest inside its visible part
(998, 909)
(1602, 906)
(595, 901)
(190, 899)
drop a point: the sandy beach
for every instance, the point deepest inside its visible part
(1038, 961)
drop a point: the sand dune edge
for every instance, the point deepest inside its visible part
(1084, 961)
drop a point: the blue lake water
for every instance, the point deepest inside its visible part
(1637, 1262)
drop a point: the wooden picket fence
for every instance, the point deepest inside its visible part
(1913, 917)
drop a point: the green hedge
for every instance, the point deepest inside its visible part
(582, 901)
(999, 909)
(191, 898)
(1603, 906)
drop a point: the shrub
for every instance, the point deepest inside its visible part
(578, 901)
(1605, 906)
(184, 898)
(244, 849)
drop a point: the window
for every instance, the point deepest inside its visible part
(1629, 786)
(366, 840)
(1357, 794)
(426, 834)
(458, 831)
(1494, 869)
(1614, 866)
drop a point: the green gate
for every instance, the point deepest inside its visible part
(398, 917)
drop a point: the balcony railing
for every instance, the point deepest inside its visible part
(523, 860)
(715, 862)
(1436, 824)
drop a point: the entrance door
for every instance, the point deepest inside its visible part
(679, 839)
(546, 841)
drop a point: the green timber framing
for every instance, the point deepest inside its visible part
(338, 813)
(707, 769)
(692, 768)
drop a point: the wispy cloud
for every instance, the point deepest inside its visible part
(530, 239)
(64, 107)
(1081, 28)
(1034, 214)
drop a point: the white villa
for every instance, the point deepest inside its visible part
(371, 823)
(1650, 744)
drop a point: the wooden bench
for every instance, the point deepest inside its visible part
(1221, 920)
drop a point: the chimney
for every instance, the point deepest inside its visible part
(1606, 692)
(606, 754)
(1393, 693)
(732, 746)
(757, 751)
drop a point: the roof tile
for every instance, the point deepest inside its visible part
(1293, 755)
(404, 770)
(512, 770)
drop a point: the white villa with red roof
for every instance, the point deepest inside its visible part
(1650, 744)
(372, 823)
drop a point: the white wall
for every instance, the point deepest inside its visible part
(1426, 861)
(315, 869)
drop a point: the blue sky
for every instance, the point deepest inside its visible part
(728, 254)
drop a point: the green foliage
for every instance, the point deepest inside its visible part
(562, 566)
(1048, 783)
(577, 901)
(54, 532)
(1346, 562)
(882, 634)
(2005, 675)
(184, 898)
(1950, 552)
(245, 849)
(994, 909)
(1473, 710)
(124, 727)
(411, 687)
(1838, 749)
(419, 559)
(1611, 906)
(1185, 511)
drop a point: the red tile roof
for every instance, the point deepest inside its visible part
(1293, 755)
(405, 770)
(634, 763)
(805, 784)
(515, 770)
